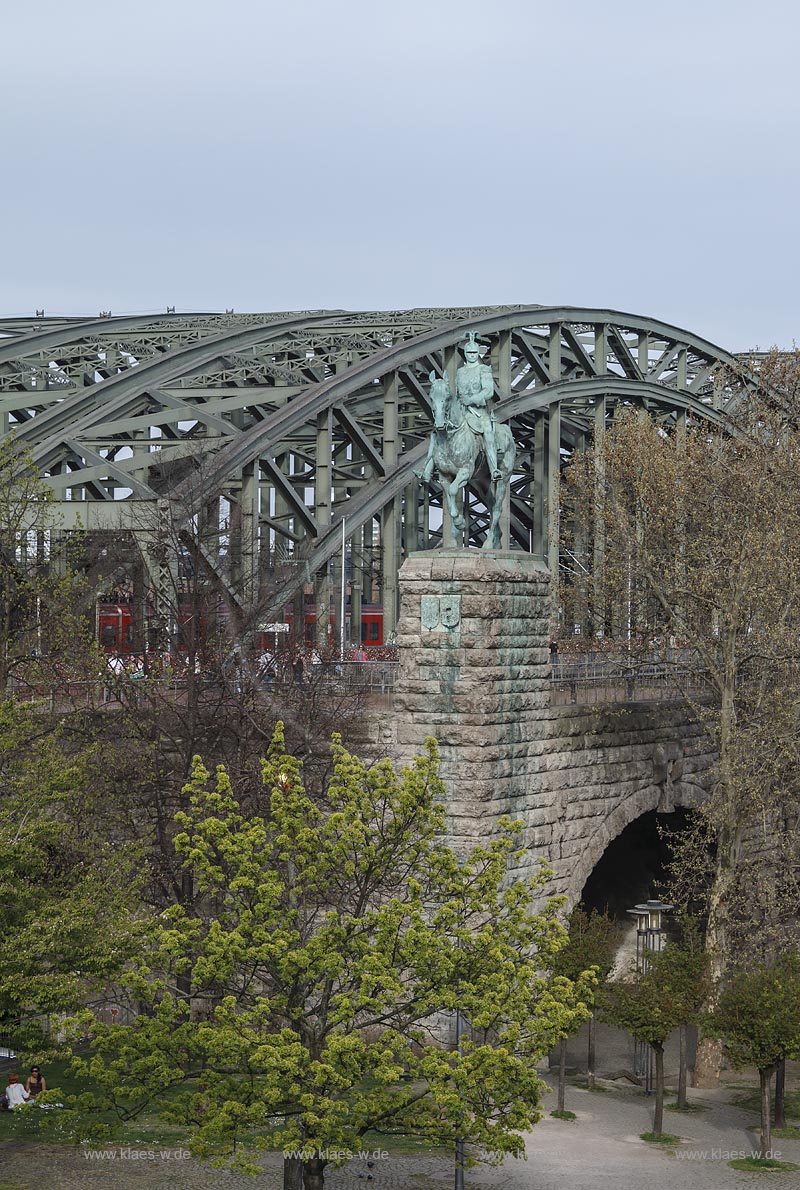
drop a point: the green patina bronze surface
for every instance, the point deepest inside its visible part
(464, 428)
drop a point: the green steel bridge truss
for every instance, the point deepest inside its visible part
(280, 425)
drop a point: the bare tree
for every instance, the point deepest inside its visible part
(199, 681)
(697, 560)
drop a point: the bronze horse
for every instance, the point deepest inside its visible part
(454, 452)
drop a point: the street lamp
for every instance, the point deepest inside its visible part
(459, 1182)
(459, 1173)
(649, 940)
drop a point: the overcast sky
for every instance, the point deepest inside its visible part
(366, 155)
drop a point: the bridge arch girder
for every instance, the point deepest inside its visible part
(361, 509)
(309, 417)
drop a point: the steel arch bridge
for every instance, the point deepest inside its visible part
(282, 426)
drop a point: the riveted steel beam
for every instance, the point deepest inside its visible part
(111, 397)
(242, 403)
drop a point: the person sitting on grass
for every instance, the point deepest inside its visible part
(36, 1083)
(15, 1092)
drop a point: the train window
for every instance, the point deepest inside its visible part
(363, 630)
(374, 631)
(129, 634)
(108, 636)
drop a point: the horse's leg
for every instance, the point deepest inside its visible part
(452, 514)
(427, 470)
(507, 455)
(457, 488)
(494, 536)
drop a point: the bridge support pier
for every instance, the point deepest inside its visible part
(474, 635)
(474, 672)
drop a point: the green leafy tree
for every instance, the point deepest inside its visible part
(592, 941)
(340, 936)
(685, 969)
(66, 893)
(668, 994)
(757, 1019)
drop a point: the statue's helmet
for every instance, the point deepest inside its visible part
(472, 344)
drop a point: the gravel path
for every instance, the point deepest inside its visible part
(600, 1149)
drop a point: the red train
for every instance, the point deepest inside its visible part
(116, 633)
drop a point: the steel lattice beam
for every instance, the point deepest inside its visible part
(120, 412)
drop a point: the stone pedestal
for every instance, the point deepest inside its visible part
(474, 647)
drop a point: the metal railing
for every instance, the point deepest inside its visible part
(584, 682)
(372, 681)
(593, 682)
(96, 693)
(372, 678)
(379, 676)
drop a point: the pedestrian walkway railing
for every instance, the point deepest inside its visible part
(372, 676)
(572, 681)
(374, 680)
(595, 682)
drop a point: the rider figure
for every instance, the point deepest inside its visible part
(475, 389)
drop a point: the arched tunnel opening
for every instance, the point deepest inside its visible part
(633, 868)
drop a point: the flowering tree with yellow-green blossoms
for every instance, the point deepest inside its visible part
(338, 937)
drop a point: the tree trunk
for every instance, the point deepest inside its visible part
(765, 1078)
(292, 1173)
(708, 1061)
(313, 1174)
(708, 1064)
(591, 1055)
(183, 979)
(658, 1115)
(562, 1072)
(681, 1101)
(780, 1094)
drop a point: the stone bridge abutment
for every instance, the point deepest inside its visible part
(474, 646)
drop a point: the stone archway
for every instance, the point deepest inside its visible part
(682, 795)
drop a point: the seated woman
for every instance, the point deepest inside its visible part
(36, 1083)
(15, 1092)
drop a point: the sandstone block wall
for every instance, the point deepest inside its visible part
(479, 686)
(479, 682)
(601, 768)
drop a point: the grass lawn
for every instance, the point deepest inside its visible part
(401, 1145)
(790, 1132)
(583, 1085)
(148, 1130)
(765, 1164)
(752, 1102)
(53, 1127)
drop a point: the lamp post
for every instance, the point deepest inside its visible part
(459, 1182)
(459, 1170)
(342, 595)
(649, 941)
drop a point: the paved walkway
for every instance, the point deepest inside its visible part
(600, 1149)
